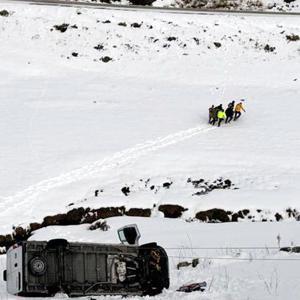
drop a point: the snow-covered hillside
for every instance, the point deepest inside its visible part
(116, 99)
(74, 124)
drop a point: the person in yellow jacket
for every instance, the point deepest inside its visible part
(221, 116)
(238, 110)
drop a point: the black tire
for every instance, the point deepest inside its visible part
(38, 266)
(4, 275)
(57, 243)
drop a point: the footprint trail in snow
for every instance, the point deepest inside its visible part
(97, 168)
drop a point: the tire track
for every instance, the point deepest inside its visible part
(97, 168)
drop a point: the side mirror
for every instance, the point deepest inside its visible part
(129, 235)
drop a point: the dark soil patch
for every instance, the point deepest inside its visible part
(171, 210)
(138, 212)
(214, 215)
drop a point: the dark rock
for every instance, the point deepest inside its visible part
(75, 54)
(171, 38)
(74, 26)
(278, 217)
(290, 212)
(125, 190)
(122, 24)
(106, 22)
(268, 48)
(138, 212)
(217, 44)
(136, 25)
(62, 28)
(196, 183)
(227, 183)
(106, 59)
(213, 215)
(171, 210)
(292, 37)
(167, 185)
(234, 217)
(4, 13)
(245, 212)
(99, 47)
(195, 262)
(196, 40)
(240, 214)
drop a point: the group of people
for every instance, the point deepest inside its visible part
(218, 114)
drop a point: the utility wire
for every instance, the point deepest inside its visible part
(237, 258)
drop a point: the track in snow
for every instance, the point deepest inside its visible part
(92, 170)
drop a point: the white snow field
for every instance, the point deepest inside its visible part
(71, 124)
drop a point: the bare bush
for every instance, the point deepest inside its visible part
(101, 225)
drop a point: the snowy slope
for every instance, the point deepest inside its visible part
(75, 124)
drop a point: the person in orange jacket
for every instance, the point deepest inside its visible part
(238, 110)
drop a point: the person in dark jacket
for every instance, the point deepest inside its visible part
(211, 114)
(229, 112)
(215, 114)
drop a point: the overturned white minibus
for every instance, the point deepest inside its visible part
(40, 268)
